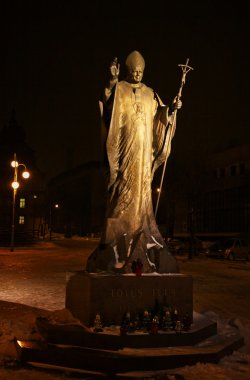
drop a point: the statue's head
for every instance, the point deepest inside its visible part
(135, 65)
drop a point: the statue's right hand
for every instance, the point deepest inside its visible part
(115, 68)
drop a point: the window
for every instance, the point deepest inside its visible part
(244, 243)
(233, 170)
(22, 203)
(222, 173)
(242, 168)
(21, 219)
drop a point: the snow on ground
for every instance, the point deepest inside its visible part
(33, 284)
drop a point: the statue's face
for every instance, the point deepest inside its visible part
(136, 74)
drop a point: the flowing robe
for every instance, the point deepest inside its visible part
(138, 141)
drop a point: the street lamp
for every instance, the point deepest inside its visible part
(15, 185)
(56, 205)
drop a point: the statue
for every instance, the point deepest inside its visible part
(138, 140)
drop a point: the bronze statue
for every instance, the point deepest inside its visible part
(139, 133)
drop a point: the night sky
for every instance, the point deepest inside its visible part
(55, 60)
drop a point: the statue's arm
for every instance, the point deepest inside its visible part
(114, 73)
(165, 113)
(164, 130)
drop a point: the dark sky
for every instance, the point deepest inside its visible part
(55, 61)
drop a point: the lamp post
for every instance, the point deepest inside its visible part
(56, 205)
(15, 184)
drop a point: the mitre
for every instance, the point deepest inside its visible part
(134, 60)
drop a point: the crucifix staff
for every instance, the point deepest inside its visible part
(185, 69)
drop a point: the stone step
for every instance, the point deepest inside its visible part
(127, 359)
(110, 338)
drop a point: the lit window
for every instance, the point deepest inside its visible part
(21, 219)
(22, 202)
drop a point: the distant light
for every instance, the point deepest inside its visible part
(14, 164)
(25, 174)
(158, 190)
(15, 185)
(56, 205)
(35, 196)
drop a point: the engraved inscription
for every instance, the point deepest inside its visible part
(163, 292)
(129, 293)
(138, 292)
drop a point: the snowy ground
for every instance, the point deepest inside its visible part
(33, 284)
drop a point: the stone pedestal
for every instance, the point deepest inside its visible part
(110, 354)
(113, 295)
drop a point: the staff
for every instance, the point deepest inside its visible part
(185, 69)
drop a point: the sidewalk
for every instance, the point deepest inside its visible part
(36, 275)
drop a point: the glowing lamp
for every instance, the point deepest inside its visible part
(14, 164)
(15, 185)
(25, 174)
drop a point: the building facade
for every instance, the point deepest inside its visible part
(225, 204)
(219, 203)
(76, 201)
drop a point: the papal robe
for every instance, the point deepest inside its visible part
(138, 141)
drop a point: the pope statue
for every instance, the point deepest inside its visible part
(139, 130)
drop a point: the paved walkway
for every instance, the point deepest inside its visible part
(36, 276)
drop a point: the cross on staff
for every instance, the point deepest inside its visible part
(185, 69)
